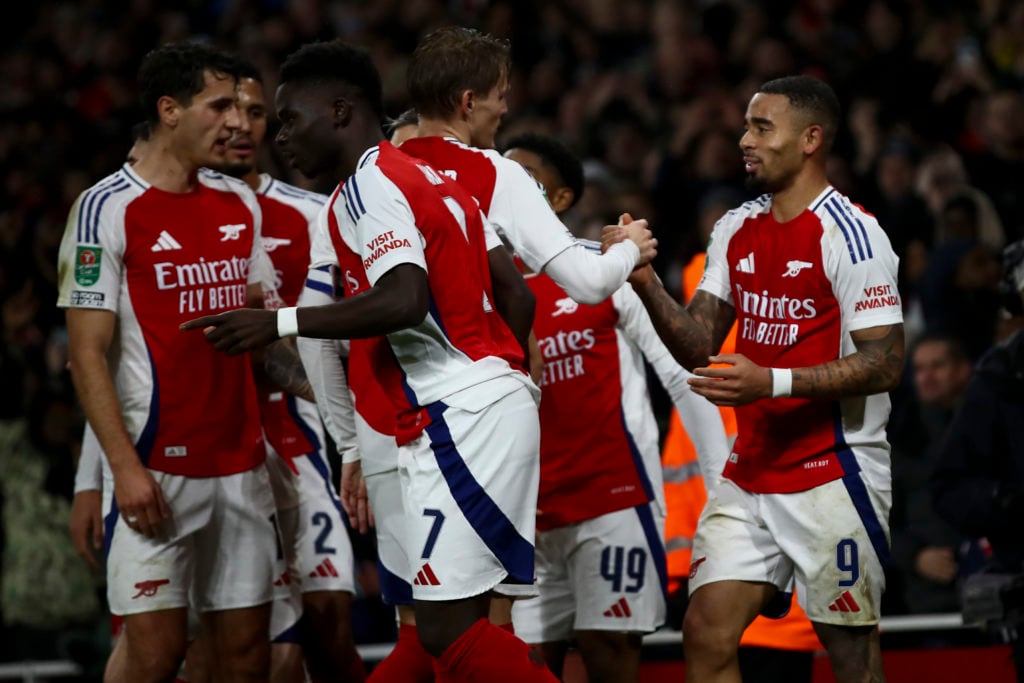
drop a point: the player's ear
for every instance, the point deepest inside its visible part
(466, 102)
(813, 138)
(562, 199)
(341, 112)
(169, 111)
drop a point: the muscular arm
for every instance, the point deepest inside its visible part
(397, 301)
(139, 497)
(283, 367)
(873, 369)
(512, 297)
(691, 333)
(90, 333)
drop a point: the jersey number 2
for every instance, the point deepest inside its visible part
(320, 545)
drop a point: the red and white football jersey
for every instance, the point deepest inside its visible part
(599, 441)
(289, 215)
(157, 259)
(799, 289)
(395, 210)
(510, 198)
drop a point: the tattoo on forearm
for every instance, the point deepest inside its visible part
(873, 369)
(284, 367)
(689, 333)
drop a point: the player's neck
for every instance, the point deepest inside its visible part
(252, 178)
(370, 135)
(792, 201)
(166, 169)
(440, 128)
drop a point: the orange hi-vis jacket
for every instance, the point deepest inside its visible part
(685, 496)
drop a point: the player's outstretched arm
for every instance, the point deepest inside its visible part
(590, 278)
(139, 498)
(397, 301)
(691, 333)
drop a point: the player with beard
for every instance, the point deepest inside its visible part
(143, 249)
(810, 278)
(413, 251)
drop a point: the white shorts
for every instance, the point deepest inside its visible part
(470, 484)
(384, 490)
(833, 540)
(314, 534)
(286, 610)
(602, 574)
(218, 548)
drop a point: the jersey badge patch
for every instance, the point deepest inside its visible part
(565, 306)
(794, 268)
(87, 265)
(87, 299)
(272, 243)
(232, 231)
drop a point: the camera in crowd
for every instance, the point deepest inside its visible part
(996, 602)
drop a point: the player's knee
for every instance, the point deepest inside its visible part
(325, 606)
(243, 662)
(152, 664)
(327, 612)
(610, 656)
(706, 637)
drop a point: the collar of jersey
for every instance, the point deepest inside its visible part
(365, 158)
(133, 176)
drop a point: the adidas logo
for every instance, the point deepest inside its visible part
(426, 577)
(284, 580)
(619, 609)
(165, 242)
(746, 264)
(844, 603)
(324, 569)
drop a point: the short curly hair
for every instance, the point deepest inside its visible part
(335, 60)
(555, 154)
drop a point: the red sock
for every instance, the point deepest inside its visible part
(486, 653)
(407, 663)
(510, 627)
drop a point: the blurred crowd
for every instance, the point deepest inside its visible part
(650, 93)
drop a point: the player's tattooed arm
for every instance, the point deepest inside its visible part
(691, 333)
(284, 368)
(874, 368)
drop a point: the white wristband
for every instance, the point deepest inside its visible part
(782, 382)
(287, 322)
